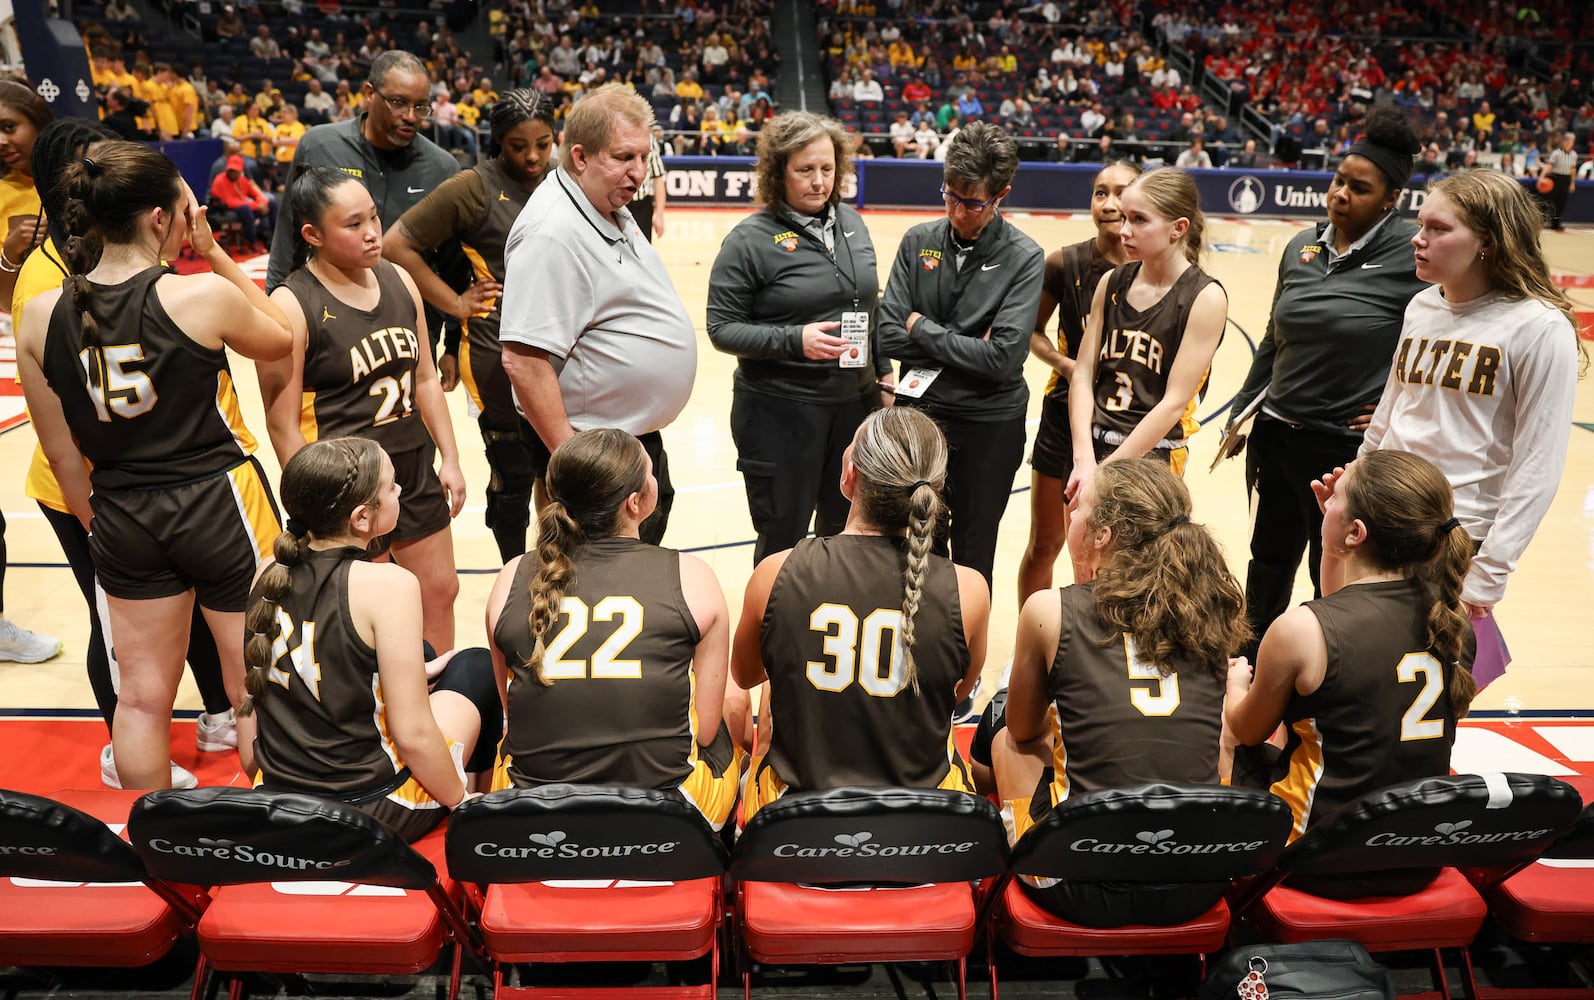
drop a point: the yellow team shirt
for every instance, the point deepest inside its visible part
(484, 97)
(160, 115)
(184, 102)
(244, 126)
(288, 130)
(40, 273)
(469, 114)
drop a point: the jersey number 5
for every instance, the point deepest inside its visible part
(839, 624)
(1413, 724)
(606, 661)
(126, 392)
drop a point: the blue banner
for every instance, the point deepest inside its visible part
(1039, 187)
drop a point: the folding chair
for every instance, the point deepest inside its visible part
(588, 873)
(1158, 833)
(73, 893)
(389, 912)
(864, 875)
(1552, 899)
(1408, 831)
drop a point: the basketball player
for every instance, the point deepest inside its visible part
(611, 651)
(126, 366)
(361, 367)
(1154, 326)
(1118, 679)
(1068, 287)
(477, 206)
(337, 677)
(867, 639)
(1370, 678)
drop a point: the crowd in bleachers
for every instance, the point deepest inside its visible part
(707, 66)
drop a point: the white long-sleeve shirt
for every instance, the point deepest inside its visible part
(1484, 390)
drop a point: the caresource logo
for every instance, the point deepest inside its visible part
(26, 851)
(863, 845)
(556, 844)
(1155, 842)
(1454, 834)
(227, 850)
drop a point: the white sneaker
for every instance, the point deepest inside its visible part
(18, 645)
(181, 776)
(217, 733)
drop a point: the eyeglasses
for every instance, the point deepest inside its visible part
(399, 106)
(968, 204)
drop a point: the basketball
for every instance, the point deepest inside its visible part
(1545, 185)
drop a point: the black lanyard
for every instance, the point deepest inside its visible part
(846, 280)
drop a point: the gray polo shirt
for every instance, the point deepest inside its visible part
(600, 302)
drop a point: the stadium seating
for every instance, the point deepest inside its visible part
(73, 893)
(1399, 838)
(864, 875)
(582, 873)
(389, 912)
(1160, 833)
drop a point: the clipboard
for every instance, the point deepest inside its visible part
(1239, 429)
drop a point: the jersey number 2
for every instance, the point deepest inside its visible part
(1413, 725)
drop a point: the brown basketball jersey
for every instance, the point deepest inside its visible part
(1137, 351)
(1073, 285)
(163, 411)
(359, 365)
(322, 727)
(619, 710)
(843, 709)
(1382, 714)
(484, 247)
(1117, 719)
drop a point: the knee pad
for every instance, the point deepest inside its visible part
(470, 674)
(512, 468)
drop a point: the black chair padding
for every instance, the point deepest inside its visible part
(899, 835)
(1576, 844)
(1438, 823)
(565, 831)
(45, 839)
(236, 836)
(1162, 833)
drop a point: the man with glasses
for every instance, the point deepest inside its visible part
(957, 313)
(383, 147)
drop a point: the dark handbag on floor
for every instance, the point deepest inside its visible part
(1314, 970)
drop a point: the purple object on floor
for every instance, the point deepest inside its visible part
(1493, 656)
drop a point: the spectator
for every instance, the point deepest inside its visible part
(582, 285)
(969, 107)
(234, 191)
(318, 100)
(1483, 119)
(230, 24)
(263, 46)
(868, 89)
(1092, 119)
(901, 135)
(286, 134)
(1195, 156)
(1246, 158)
(926, 140)
(123, 112)
(254, 133)
(222, 126)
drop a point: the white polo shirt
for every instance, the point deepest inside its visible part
(600, 302)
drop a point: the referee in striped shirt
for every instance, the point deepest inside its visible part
(647, 208)
(1561, 168)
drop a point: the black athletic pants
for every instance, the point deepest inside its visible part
(1280, 463)
(513, 471)
(983, 456)
(203, 660)
(789, 454)
(1559, 196)
(652, 530)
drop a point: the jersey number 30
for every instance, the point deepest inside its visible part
(846, 648)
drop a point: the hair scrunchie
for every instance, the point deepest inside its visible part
(918, 483)
(296, 528)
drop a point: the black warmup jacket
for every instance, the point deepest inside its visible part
(996, 291)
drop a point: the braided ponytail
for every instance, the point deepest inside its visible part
(263, 623)
(559, 537)
(924, 509)
(1448, 621)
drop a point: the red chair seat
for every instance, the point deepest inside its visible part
(327, 926)
(1545, 903)
(1444, 915)
(785, 924)
(47, 923)
(1030, 930)
(537, 922)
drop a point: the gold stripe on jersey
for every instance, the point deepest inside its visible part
(1178, 458)
(231, 413)
(413, 795)
(764, 786)
(255, 507)
(467, 374)
(307, 422)
(478, 265)
(1188, 424)
(379, 719)
(1298, 787)
(1060, 785)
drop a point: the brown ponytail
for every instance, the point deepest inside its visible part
(262, 627)
(589, 478)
